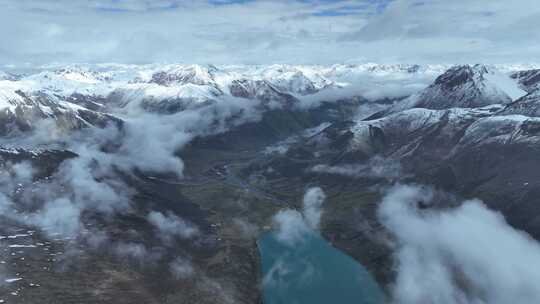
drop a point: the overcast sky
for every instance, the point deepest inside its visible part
(261, 32)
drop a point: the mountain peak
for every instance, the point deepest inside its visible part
(193, 74)
(468, 86)
(461, 74)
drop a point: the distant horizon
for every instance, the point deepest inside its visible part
(179, 63)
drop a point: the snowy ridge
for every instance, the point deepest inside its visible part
(101, 80)
(529, 80)
(527, 105)
(168, 88)
(21, 108)
(453, 130)
(467, 87)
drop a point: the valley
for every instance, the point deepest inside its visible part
(154, 184)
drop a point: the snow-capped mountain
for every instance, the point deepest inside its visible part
(402, 134)
(527, 105)
(466, 150)
(335, 71)
(257, 133)
(261, 90)
(67, 81)
(103, 89)
(528, 79)
(473, 130)
(409, 130)
(466, 87)
(165, 99)
(296, 80)
(181, 75)
(22, 111)
(55, 92)
(8, 76)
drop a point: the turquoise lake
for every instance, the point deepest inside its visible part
(313, 272)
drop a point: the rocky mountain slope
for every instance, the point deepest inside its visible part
(456, 144)
(528, 79)
(105, 215)
(465, 87)
(77, 96)
(467, 148)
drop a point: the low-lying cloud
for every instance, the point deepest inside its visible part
(181, 268)
(170, 226)
(292, 226)
(59, 216)
(465, 255)
(95, 180)
(375, 167)
(312, 208)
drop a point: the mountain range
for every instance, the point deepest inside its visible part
(152, 182)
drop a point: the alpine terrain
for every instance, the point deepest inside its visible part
(153, 183)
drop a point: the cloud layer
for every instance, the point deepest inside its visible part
(136, 31)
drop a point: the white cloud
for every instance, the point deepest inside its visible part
(132, 250)
(138, 31)
(376, 167)
(293, 226)
(171, 226)
(466, 255)
(181, 268)
(313, 200)
(58, 216)
(455, 31)
(269, 31)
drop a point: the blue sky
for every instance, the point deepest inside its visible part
(265, 31)
(347, 8)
